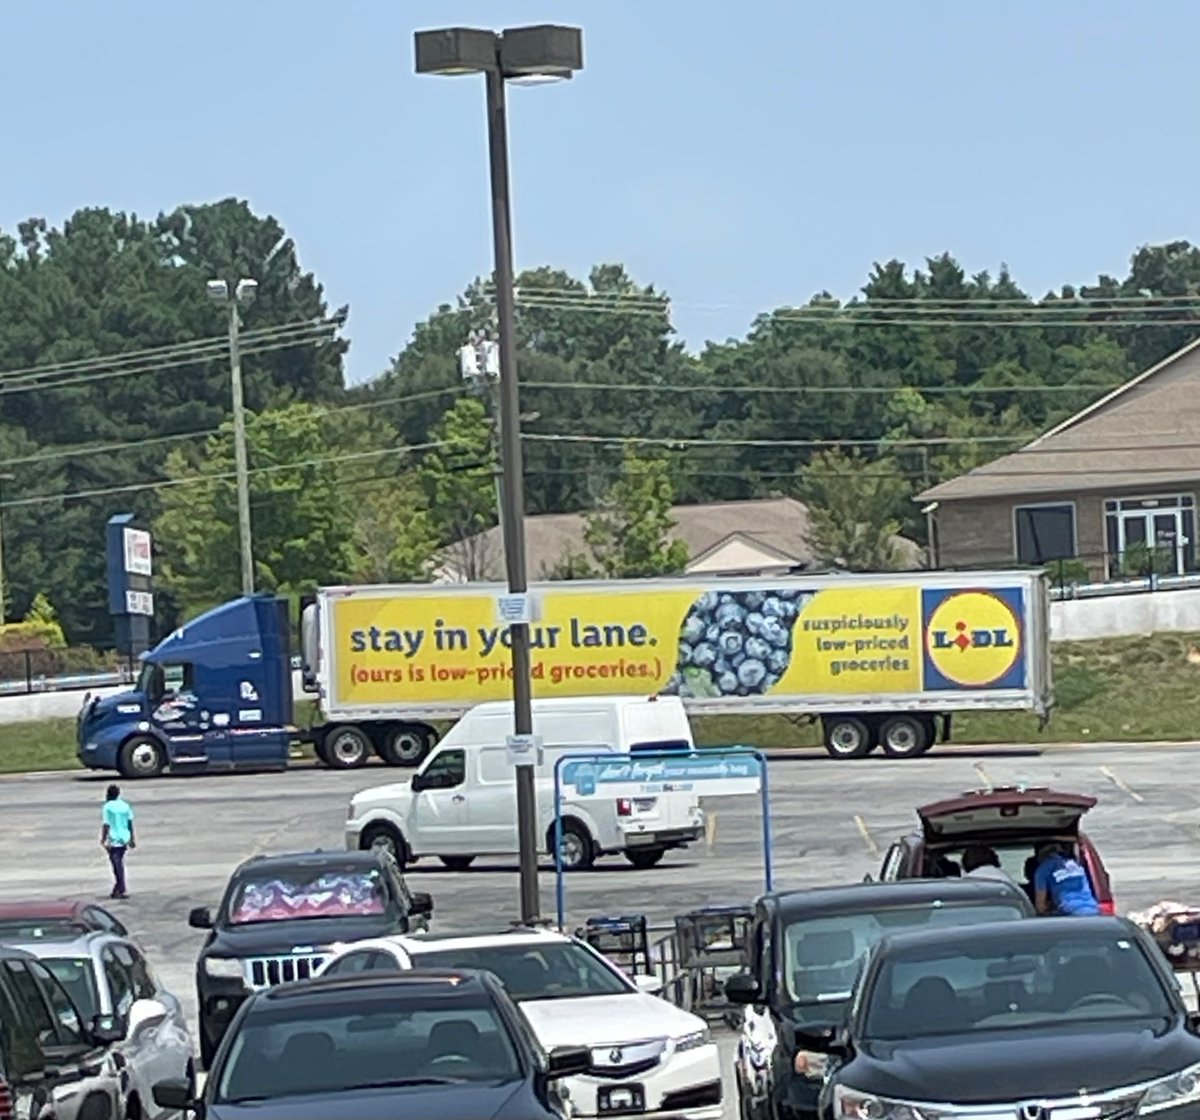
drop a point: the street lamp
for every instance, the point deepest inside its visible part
(5, 477)
(535, 53)
(243, 293)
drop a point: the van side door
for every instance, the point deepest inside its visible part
(439, 817)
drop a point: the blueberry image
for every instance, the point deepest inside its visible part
(727, 683)
(685, 653)
(730, 614)
(754, 622)
(693, 628)
(722, 665)
(737, 659)
(706, 603)
(751, 673)
(703, 655)
(773, 607)
(731, 642)
(757, 648)
(712, 634)
(777, 661)
(752, 600)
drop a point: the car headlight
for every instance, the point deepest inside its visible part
(851, 1104)
(1180, 1088)
(693, 1040)
(223, 968)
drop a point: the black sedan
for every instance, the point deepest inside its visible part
(1058, 1017)
(381, 1047)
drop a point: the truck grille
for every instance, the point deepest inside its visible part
(627, 1059)
(266, 972)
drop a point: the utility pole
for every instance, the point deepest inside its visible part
(3, 604)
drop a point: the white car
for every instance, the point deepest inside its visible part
(649, 1057)
(105, 974)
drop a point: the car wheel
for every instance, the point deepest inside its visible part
(576, 851)
(142, 757)
(847, 737)
(645, 857)
(387, 840)
(457, 863)
(347, 747)
(904, 736)
(404, 745)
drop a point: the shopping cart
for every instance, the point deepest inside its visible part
(712, 944)
(624, 939)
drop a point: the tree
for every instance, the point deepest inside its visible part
(459, 478)
(394, 540)
(302, 521)
(629, 536)
(853, 506)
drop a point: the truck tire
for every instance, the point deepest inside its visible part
(642, 858)
(387, 839)
(347, 747)
(141, 757)
(404, 744)
(905, 736)
(320, 751)
(578, 849)
(847, 737)
(457, 863)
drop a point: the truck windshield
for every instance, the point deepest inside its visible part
(278, 895)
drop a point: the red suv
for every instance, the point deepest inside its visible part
(1013, 820)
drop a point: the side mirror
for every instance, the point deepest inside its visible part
(200, 918)
(645, 982)
(417, 783)
(422, 903)
(868, 878)
(144, 1013)
(1193, 1021)
(175, 1095)
(568, 1061)
(742, 988)
(106, 1030)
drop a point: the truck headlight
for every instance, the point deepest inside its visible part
(223, 968)
(1180, 1088)
(692, 1041)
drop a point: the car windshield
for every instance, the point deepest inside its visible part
(549, 970)
(77, 976)
(276, 895)
(351, 1044)
(822, 955)
(1038, 980)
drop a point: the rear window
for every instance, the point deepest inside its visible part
(77, 976)
(306, 893)
(822, 956)
(1018, 860)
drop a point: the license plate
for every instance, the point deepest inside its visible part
(621, 1100)
(644, 804)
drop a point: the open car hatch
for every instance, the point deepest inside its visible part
(1010, 811)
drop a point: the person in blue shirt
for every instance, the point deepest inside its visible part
(116, 835)
(1061, 885)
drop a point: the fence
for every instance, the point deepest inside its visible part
(74, 668)
(1132, 572)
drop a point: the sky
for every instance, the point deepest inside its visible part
(737, 156)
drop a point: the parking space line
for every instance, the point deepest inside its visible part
(865, 833)
(1120, 783)
(269, 838)
(983, 776)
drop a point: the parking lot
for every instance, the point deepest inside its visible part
(832, 822)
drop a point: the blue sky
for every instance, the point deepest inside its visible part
(739, 156)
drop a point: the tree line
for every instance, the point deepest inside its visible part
(114, 396)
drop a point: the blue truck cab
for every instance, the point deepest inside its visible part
(216, 694)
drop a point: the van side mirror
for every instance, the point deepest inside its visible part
(421, 904)
(200, 918)
(742, 988)
(418, 783)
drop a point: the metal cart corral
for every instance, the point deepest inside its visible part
(713, 944)
(624, 939)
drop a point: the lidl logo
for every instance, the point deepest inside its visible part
(974, 639)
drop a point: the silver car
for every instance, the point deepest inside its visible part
(107, 975)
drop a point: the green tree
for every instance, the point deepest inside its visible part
(853, 507)
(394, 540)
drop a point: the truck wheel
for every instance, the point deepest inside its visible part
(848, 737)
(404, 745)
(577, 851)
(457, 863)
(347, 748)
(904, 736)
(384, 838)
(320, 751)
(141, 757)
(645, 857)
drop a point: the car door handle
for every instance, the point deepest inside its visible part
(458, 797)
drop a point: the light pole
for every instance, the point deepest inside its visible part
(530, 53)
(243, 293)
(5, 477)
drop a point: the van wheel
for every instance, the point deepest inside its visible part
(387, 840)
(645, 857)
(141, 757)
(404, 745)
(457, 863)
(904, 736)
(847, 737)
(347, 747)
(576, 852)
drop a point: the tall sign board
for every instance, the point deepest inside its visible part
(130, 583)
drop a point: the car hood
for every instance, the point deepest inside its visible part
(1004, 811)
(463, 1102)
(601, 1020)
(307, 933)
(990, 1066)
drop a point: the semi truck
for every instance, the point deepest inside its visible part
(881, 661)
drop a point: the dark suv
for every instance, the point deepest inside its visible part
(807, 948)
(280, 915)
(51, 1062)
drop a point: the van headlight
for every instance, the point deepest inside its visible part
(692, 1041)
(1170, 1092)
(223, 968)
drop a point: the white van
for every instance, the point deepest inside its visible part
(462, 802)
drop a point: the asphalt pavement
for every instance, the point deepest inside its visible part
(831, 822)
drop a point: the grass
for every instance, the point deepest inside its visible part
(1145, 688)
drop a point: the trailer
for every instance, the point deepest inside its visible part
(880, 661)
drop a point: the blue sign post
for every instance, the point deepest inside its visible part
(723, 772)
(129, 555)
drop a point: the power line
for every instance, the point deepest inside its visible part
(702, 387)
(712, 441)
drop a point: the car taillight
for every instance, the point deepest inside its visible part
(1109, 907)
(7, 1108)
(624, 807)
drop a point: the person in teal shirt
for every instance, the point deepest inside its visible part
(116, 835)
